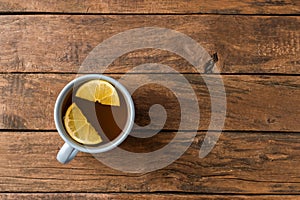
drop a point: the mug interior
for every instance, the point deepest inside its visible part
(58, 114)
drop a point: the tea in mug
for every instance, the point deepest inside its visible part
(94, 113)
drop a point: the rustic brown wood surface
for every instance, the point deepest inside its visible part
(56, 43)
(121, 196)
(257, 42)
(259, 103)
(155, 6)
(240, 163)
(140, 196)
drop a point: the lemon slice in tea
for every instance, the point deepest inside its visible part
(79, 128)
(100, 91)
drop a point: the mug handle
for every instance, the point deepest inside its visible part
(66, 154)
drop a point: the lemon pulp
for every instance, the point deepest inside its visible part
(79, 128)
(99, 91)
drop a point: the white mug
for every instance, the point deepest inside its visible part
(71, 147)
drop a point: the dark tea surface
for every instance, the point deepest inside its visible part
(108, 121)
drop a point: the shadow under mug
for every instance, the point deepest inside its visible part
(71, 147)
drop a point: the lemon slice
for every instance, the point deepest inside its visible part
(99, 90)
(79, 128)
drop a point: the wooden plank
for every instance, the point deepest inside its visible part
(269, 103)
(60, 43)
(156, 6)
(124, 196)
(240, 163)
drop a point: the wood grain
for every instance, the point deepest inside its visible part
(240, 163)
(60, 43)
(156, 6)
(124, 196)
(268, 103)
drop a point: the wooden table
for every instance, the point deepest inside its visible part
(258, 46)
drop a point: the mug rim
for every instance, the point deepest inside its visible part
(101, 148)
